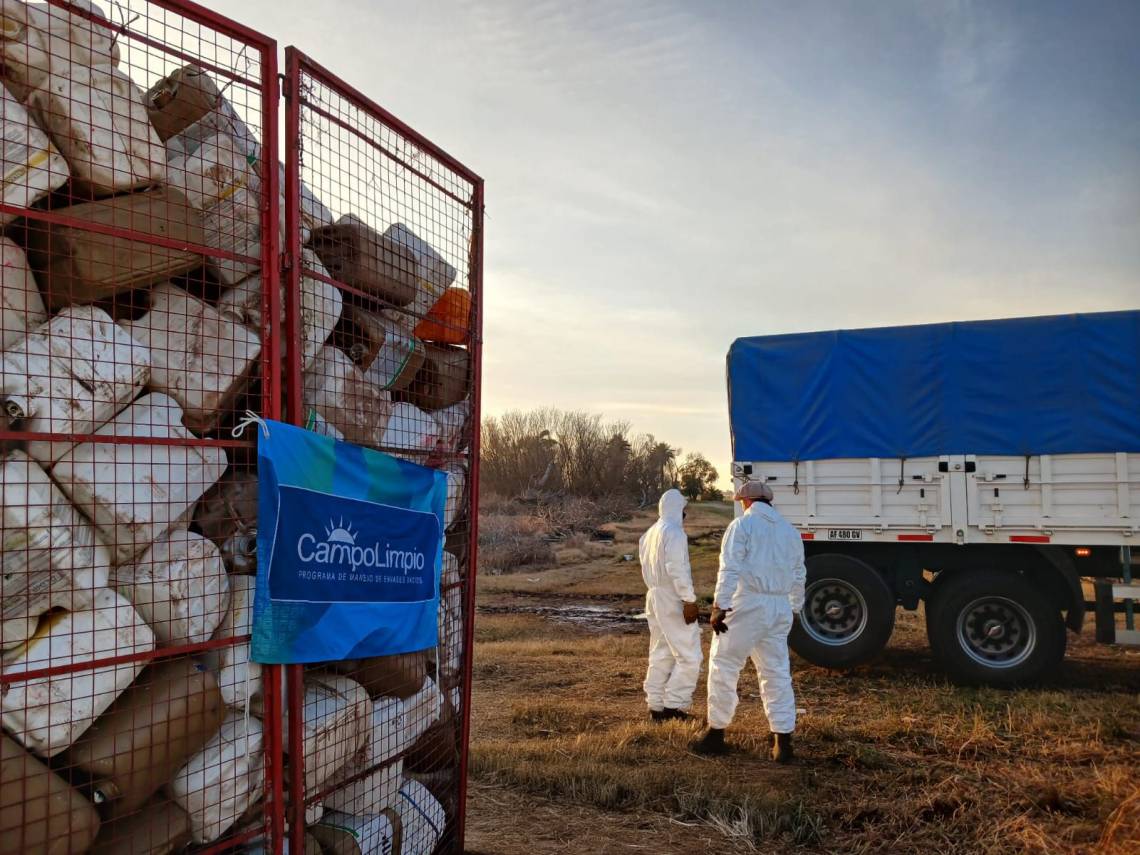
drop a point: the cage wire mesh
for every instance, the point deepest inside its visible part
(386, 267)
(142, 316)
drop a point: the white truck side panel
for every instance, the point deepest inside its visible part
(861, 498)
(1071, 498)
(1084, 499)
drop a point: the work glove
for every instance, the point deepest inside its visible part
(691, 612)
(716, 619)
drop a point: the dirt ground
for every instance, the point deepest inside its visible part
(892, 757)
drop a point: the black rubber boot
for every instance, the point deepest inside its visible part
(676, 715)
(782, 748)
(711, 744)
(658, 716)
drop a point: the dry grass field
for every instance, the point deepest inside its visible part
(892, 757)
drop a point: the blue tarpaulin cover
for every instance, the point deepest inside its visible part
(1025, 386)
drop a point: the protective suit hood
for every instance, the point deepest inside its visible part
(672, 506)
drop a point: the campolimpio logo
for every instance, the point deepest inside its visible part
(340, 549)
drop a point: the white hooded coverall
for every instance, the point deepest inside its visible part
(761, 579)
(674, 646)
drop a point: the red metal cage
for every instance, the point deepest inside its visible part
(165, 274)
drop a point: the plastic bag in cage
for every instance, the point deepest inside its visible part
(199, 357)
(96, 118)
(76, 265)
(71, 375)
(31, 165)
(223, 779)
(179, 586)
(135, 493)
(47, 714)
(51, 556)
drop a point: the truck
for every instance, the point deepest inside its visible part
(989, 470)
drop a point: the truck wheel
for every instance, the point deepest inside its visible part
(996, 628)
(848, 615)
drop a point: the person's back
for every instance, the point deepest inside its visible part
(759, 588)
(671, 611)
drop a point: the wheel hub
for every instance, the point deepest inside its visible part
(835, 612)
(996, 632)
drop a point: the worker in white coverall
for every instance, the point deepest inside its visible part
(671, 609)
(759, 587)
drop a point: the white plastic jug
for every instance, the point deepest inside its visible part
(218, 179)
(37, 38)
(221, 781)
(47, 714)
(337, 712)
(21, 306)
(336, 389)
(179, 586)
(433, 274)
(71, 375)
(96, 118)
(423, 818)
(420, 711)
(32, 166)
(238, 678)
(51, 556)
(134, 493)
(456, 492)
(450, 422)
(410, 429)
(377, 790)
(451, 623)
(315, 422)
(321, 306)
(346, 834)
(199, 357)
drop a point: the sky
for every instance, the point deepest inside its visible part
(664, 177)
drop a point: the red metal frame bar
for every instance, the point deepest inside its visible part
(473, 512)
(271, 356)
(114, 231)
(294, 413)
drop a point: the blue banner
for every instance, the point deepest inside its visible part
(349, 550)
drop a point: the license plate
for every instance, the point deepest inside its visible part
(844, 534)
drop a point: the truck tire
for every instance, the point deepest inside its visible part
(995, 628)
(848, 615)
